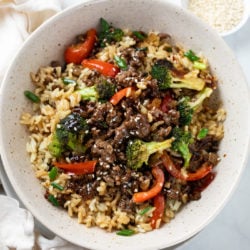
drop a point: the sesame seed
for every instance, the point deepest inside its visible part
(223, 15)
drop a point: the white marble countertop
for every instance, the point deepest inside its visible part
(230, 230)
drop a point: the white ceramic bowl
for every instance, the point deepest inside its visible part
(48, 43)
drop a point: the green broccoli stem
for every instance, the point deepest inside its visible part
(153, 147)
(89, 93)
(188, 83)
(184, 150)
(200, 97)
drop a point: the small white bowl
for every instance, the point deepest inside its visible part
(246, 14)
(48, 43)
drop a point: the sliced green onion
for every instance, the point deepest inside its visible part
(191, 56)
(200, 65)
(103, 124)
(121, 63)
(125, 232)
(57, 186)
(139, 35)
(68, 81)
(169, 49)
(31, 96)
(202, 133)
(53, 173)
(104, 25)
(145, 210)
(53, 200)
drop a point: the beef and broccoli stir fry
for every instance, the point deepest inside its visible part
(122, 134)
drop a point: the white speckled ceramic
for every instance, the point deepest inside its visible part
(48, 43)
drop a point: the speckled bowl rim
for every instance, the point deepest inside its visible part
(94, 238)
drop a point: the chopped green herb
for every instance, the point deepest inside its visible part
(104, 25)
(125, 232)
(53, 200)
(139, 35)
(57, 186)
(191, 56)
(145, 210)
(103, 124)
(121, 63)
(169, 49)
(202, 133)
(67, 81)
(31, 96)
(200, 65)
(53, 173)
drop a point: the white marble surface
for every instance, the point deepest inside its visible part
(230, 230)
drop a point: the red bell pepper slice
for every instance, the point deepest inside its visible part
(87, 167)
(204, 182)
(156, 189)
(116, 98)
(175, 172)
(105, 68)
(159, 204)
(166, 103)
(204, 170)
(77, 52)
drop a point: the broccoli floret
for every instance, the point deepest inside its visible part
(161, 71)
(138, 151)
(108, 33)
(186, 107)
(74, 122)
(55, 147)
(185, 111)
(102, 91)
(69, 135)
(182, 140)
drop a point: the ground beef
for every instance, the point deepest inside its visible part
(161, 133)
(136, 126)
(171, 118)
(103, 151)
(203, 151)
(134, 57)
(127, 78)
(86, 109)
(84, 185)
(114, 117)
(126, 204)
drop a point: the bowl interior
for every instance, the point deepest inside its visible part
(48, 43)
